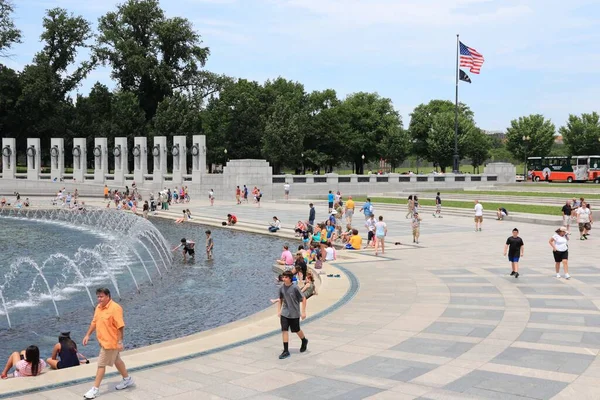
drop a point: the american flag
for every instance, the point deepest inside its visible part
(470, 58)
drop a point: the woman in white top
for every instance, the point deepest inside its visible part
(275, 225)
(211, 197)
(330, 252)
(380, 234)
(560, 249)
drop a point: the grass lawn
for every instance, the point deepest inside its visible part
(522, 208)
(527, 194)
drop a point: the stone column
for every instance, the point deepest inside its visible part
(79, 159)
(57, 158)
(9, 158)
(178, 152)
(34, 158)
(140, 159)
(198, 158)
(159, 154)
(121, 160)
(100, 159)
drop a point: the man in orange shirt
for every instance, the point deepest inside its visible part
(108, 324)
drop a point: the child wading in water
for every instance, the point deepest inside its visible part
(188, 248)
(209, 245)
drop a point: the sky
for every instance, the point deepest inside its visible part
(541, 56)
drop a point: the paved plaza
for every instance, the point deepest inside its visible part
(438, 320)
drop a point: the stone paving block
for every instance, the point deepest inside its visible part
(506, 271)
(452, 271)
(503, 386)
(471, 313)
(473, 301)
(323, 388)
(447, 328)
(463, 279)
(589, 279)
(442, 348)
(473, 289)
(565, 319)
(390, 368)
(565, 338)
(546, 360)
(554, 291)
(576, 304)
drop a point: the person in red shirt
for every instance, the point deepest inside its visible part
(231, 219)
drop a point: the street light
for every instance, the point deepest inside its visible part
(526, 139)
(302, 157)
(362, 168)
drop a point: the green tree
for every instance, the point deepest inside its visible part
(440, 140)
(323, 136)
(9, 34)
(177, 115)
(234, 121)
(127, 117)
(581, 135)
(422, 119)
(284, 135)
(44, 105)
(540, 132)
(477, 147)
(10, 91)
(150, 55)
(367, 119)
(395, 147)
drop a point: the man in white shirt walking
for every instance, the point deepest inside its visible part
(478, 215)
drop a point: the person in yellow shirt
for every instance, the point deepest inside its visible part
(105, 192)
(355, 242)
(349, 210)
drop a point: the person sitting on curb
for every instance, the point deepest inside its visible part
(275, 225)
(65, 354)
(501, 213)
(309, 289)
(26, 363)
(286, 257)
(355, 241)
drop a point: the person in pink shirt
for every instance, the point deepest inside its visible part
(26, 363)
(286, 257)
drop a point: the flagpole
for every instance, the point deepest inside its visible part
(455, 167)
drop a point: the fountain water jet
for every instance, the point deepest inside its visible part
(27, 260)
(106, 267)
(73, 267)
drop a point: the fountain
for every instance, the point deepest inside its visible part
(121, 235)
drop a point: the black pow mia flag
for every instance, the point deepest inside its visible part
(463, 76)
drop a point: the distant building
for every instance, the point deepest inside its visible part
(500, 135)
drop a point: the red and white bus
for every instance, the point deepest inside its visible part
(564, 169)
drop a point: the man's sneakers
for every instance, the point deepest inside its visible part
(516, 275)
(567, 276)
(284, 354)
(512, 273)
(558, 275)
(303, 346)
(125, 383)
(91, 394)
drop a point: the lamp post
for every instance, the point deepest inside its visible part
(302, 158)
(225, 152)
(526, 139)
(362, 167)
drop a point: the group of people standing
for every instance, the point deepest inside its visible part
(579, 211)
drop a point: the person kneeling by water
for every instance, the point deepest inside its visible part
(188, 247)
(231, 220)
(65, 354)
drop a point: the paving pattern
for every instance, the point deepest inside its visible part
(442, 320)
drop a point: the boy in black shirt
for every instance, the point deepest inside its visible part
(514, 245)
(567, 211)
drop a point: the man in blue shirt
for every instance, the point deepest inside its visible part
(330, 198)
(367, 208)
